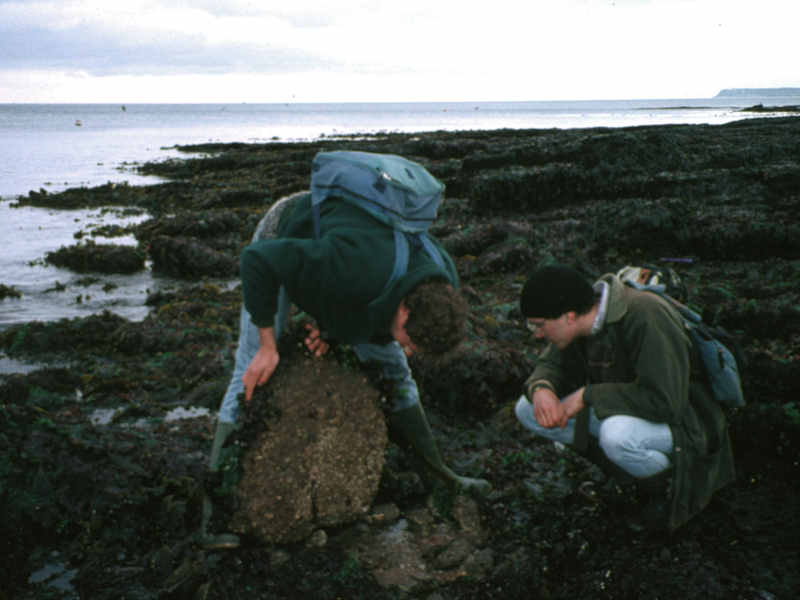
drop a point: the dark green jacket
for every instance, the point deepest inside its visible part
(642, 364)
(338, 279)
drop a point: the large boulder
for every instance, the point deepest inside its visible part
(317, 438)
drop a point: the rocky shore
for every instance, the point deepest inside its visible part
(110, 508)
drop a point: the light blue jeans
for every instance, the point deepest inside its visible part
(641, 448)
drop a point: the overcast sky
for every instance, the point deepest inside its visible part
(401, 50)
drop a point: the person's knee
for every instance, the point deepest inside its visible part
(615, 437)
(523, 410)
(522, 402)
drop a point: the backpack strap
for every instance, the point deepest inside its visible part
(315, 214)
(660, 290)
(402, 251)
(402, 248)
(430, 248)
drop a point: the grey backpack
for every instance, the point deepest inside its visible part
(396, 191)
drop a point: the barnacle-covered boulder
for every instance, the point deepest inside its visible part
(315, 438)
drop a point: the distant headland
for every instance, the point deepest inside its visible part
(739, 92)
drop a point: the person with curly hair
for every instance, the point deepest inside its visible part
(339, 277)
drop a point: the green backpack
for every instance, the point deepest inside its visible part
(717, 348)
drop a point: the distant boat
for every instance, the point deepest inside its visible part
(78, 123)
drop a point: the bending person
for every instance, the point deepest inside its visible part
(339, 278)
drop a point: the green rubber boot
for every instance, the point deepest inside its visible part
(412, 425)
(655, 492)
(224, 430)
(220, 541)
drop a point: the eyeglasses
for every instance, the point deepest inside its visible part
(534, 325)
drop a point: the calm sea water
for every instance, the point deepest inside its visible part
(56, 146)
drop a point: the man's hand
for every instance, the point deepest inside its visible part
(263, 364)
(572, 405)
(547, 408)
(314, 342)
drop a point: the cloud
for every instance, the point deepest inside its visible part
(505, 49)
(102, 53)
(161, 40)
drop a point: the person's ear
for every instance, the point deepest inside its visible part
(399, 319)
(402, 313)
(404, 310)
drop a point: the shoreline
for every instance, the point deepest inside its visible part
(109, 139)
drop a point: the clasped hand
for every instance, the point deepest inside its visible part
(551, 412)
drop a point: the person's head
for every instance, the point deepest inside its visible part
(431, 318)
(555, 301)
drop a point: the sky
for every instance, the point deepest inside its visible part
(129, 51)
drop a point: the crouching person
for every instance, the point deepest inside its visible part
(621, 382)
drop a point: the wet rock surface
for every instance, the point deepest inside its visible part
(101, 490)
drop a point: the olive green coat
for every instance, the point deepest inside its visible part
(642, 364)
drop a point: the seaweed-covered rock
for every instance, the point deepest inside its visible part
(101, 258)
(8, 291)
(110, 194)
(473, 240)
(188, 259)
(474, 379)
(64, 335)
(201, 224)
(529, 188)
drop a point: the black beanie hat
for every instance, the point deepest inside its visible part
(554, 290)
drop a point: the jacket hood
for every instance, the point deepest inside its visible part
(617, 301)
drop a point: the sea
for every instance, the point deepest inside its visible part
(58, 146)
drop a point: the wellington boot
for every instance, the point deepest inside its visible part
(655, 494)
(211, 541)
(223, 431)
(222, 541)
(412, 426)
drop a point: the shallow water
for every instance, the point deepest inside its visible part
(56, 146)
(55, 574)
(48, 292)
